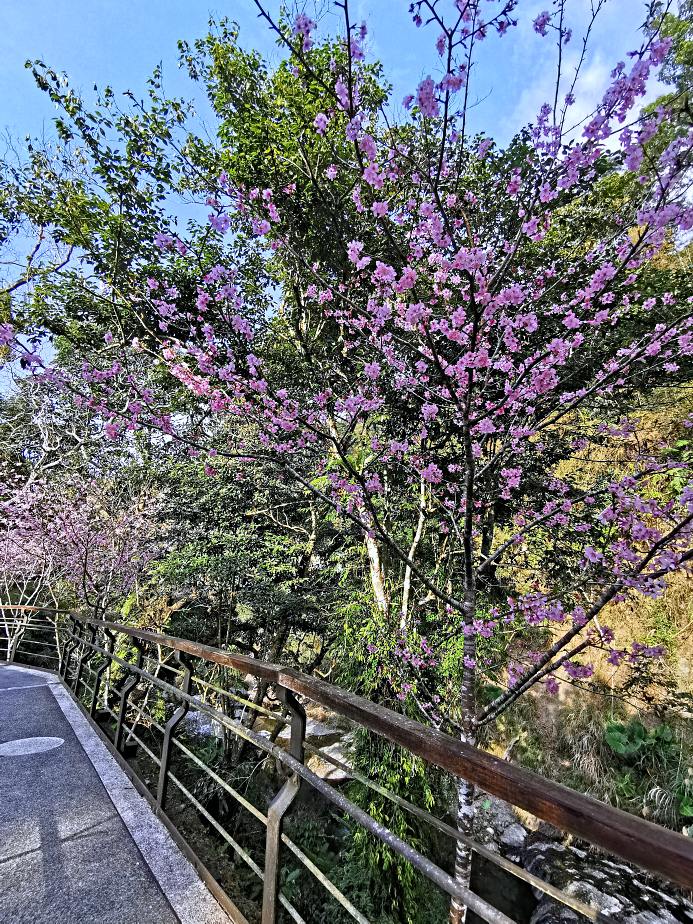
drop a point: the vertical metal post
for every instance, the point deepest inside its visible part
(279, 807)
(100, 671)
(69, 647)
(86, 656)
(125, 692)
(170, 727)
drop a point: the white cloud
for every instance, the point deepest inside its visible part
(532, 63)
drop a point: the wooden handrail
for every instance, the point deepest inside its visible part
(650, 846)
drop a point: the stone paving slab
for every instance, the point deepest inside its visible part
(78, 843)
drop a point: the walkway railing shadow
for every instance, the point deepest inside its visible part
(92, 652)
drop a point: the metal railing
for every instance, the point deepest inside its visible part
(105, 662)
(23, 626)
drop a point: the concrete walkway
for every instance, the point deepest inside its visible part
(78, 843)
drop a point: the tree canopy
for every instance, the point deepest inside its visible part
(390, 387)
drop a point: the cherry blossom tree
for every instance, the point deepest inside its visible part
(74, 542)
(463, 374)
(29, 572)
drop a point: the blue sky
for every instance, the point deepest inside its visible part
(118, 42)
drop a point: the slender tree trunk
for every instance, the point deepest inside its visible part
(377, 574)
(12, 645)
(463, 855)
(17, 636)
(465, 790)
(406, 587)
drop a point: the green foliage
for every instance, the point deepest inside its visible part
(265, 129)
(653, 754)
(677, 26)
(686, 803)
(633, 741)
(597, 747)
(397, 892)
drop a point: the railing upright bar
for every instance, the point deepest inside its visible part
(100, 671)
(86, 655)
(279, 807)
(171, 725)
(125, 692)
(69, 647)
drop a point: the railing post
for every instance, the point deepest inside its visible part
(170, 727)
(125, 692)
(279, 807)
(100, 671)
(68, 648)
(86, 656)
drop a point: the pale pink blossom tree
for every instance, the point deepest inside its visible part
(30, 574)
(72, 543)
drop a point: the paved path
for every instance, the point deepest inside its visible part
(78, 844)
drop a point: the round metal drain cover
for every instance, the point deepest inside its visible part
(21, 746)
